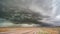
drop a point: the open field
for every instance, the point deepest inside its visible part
(27, 30)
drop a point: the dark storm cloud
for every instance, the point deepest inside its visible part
(44, 7)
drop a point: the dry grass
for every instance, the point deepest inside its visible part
(48, 30)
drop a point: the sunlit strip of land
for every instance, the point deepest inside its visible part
(30, 29)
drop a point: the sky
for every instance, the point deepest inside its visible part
(44, 7)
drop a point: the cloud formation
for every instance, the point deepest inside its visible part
(47, 8)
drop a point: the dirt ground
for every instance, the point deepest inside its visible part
(32, 30)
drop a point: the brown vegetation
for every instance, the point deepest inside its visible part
(23, 30)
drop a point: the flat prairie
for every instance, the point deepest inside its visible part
(29, 30)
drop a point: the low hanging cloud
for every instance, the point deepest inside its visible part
(44, 7)
(5, 23)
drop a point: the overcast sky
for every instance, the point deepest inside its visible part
(44, 7)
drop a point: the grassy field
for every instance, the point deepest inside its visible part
(31, 30)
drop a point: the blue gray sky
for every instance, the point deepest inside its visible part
(44, 7)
